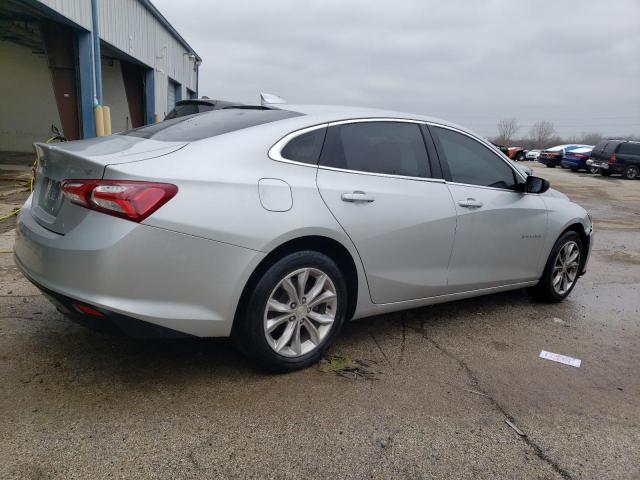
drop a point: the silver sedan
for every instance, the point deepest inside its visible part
(276, 224)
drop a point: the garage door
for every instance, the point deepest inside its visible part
(171, 95)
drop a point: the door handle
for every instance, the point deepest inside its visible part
(470, 203)
(357, 196)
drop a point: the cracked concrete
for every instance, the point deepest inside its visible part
(78, 404)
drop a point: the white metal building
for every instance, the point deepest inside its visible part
(61, 58)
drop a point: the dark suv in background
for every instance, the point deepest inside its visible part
(617, 156)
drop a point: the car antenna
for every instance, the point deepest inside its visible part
(269, 98)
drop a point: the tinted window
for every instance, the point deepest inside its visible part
(305, 148)
(471, 162)
(216, 122)
(392, 148)
(629, 149)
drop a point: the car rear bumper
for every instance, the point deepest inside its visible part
(180, 282)
(575, 164)
(548, 161)
(613, 167)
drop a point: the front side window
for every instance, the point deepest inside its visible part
(392, 148)
(305, 148)
(472, 163)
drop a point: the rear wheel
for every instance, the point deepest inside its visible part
(549, 165)
(631, 172)
(520, 157)
(293, 313)
(561, 271)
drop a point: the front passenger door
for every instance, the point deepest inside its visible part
(500, 232)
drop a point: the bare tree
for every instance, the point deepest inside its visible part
(541, 133)
(507, 128)
(591, 138)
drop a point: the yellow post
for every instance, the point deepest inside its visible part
(99, 121)
(106, 112)
(156, 118)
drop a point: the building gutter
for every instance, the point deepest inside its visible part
(97, 57)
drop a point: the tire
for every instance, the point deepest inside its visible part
(605, 173)
(550, 166)
(250, 333)
(520, 157)
(547, 290)
(631, 172)
(594, 170)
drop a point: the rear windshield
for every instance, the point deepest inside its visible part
(605, 148)
(210, 124)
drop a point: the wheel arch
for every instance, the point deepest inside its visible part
(577, 227)
(323, 244)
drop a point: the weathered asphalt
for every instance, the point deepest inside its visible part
(78, 404)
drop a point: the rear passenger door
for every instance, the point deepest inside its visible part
(376, 178)
(500, 232)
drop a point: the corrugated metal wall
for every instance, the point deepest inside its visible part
(130, 27)
(79, 11)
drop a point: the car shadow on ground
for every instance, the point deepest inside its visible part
(82, 357)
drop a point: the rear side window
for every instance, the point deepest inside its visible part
(392, 148)
(629, 148)
(211, 124)
(305, 148)
(472, 163)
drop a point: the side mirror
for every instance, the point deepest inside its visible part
(536, 185)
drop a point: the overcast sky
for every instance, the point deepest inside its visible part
(573, 62)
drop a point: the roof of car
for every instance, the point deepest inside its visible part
(328, 113)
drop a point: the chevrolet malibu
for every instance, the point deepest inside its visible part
(276, 224)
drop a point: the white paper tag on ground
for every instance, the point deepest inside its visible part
(556, 357)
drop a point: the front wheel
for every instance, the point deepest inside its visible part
(549, 165)
(594, 170)
(561, 271)
(294, 312)
(631, 172)
(520, 157)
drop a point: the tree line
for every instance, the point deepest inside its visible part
(542, 134)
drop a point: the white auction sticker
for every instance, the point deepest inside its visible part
(556, 357)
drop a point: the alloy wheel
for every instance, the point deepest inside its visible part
(631, 172)
(565, 267)
(300, 312)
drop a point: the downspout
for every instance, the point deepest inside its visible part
(97, 58)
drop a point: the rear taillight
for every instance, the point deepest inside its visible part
(133, 200)
(612, 158)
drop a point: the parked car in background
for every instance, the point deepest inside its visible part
(576, 159)
(552, 157)
(532, 154)
(276, 225)
(197, 105)
(514, 153)
(617, 156)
